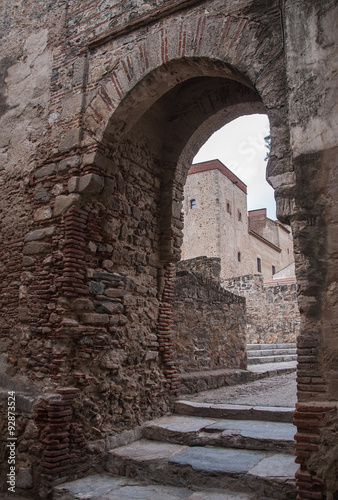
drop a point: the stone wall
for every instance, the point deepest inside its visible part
(209, 325)
(210, 267)
(272, 308)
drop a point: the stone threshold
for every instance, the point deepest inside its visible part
(236, 412)
(194, 382)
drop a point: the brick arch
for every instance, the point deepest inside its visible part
(117, 104)
(235, 43)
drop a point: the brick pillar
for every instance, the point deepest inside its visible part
(72, 282)
(310, 419)
(62, 439)
(164, 334)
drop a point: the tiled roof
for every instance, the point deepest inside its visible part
(217, 164)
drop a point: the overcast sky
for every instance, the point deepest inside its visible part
(241, 147)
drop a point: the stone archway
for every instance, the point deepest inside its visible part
(161, 143)
(280, 172)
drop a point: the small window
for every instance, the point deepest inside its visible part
(273, 270)
(239, 256)
(239, 214)
(259, 265)
(228, 208)
(192, 203)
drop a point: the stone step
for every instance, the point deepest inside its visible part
(273, 369)
(290, 345)
(107, 487)
(235, 412)
(271, 359)
(262, 473)
(193, 382)
(197, 431)
(271, 352)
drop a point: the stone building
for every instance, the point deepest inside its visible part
(217, 224)
(103, 106)
(270, 244)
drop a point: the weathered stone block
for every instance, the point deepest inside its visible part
(42, 194)
(113, 359)
(43, 213)
(102, 275)
(40, 234)
(94, 318)
(71, 106)
(114, 292)
(83, 304)
(151, 356)
(110, 307)
(108, 265)
(28, 261)
(69, 163)
(24, 478)
(45, 171)
(89, 184)
(96, 287)
(63, 202)
(36, 247)
(71, 139)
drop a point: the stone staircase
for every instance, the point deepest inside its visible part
(271, 353)
(202, 452)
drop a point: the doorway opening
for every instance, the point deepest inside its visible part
(151, 143)
(254, 254)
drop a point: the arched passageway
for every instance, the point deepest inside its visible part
(93, 187)
(165, 132)
(147, 157)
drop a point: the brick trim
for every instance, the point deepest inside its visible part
(63, 441)
(171, 7)
(73, 277)
(163, 330)
(309, 419)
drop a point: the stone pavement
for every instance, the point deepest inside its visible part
(104, 487)
(273, 390)
(208, 450)
(271, 353)
(235, 411)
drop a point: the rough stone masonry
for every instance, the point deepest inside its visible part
(209, 329)
(103, 105)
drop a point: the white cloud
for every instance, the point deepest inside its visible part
(241, 147)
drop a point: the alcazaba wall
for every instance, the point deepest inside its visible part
(209, 322)
(272, 310)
